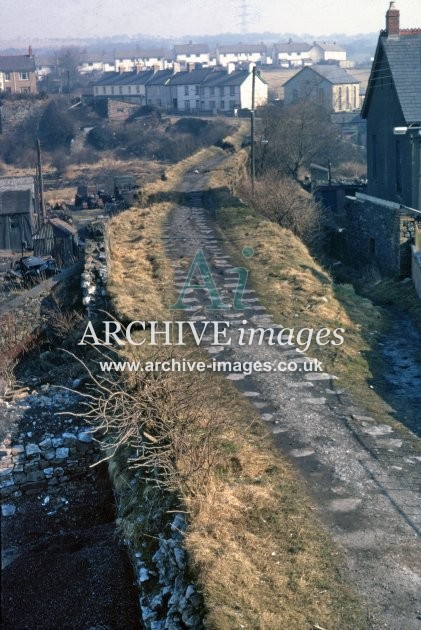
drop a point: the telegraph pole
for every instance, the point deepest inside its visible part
(40, 184)
(252, 156)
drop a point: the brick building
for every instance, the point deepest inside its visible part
(17, 74)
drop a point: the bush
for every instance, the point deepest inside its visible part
(102, 138)
(56, 128)
(282, 200)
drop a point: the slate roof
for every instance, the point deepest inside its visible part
(195, 77)
(148, 53)
(333, 74)
(242, 49)
(96, 57)
(329, 46)
(160, 77)
(191, 49)
(290, 47)
(221, 78)
(404, 58)
(17, 63)
(125, 78)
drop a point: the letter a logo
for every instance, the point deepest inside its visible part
(208, 285)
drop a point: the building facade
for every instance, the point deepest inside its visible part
(17, 74)
(329, 86)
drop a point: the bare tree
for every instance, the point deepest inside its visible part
(294, 136)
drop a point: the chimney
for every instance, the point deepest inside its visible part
(230, 67)
(392, 21)
(30, 52)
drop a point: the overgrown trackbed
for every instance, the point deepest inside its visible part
(361, 474)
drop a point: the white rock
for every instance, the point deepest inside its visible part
(8, 509)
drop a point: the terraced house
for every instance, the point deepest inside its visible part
(204, 90)
(17, 74)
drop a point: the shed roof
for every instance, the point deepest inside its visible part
(14, 202)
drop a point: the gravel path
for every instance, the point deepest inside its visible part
(362, 475)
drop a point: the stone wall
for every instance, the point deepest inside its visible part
(379, 233)
(95, 273)
(23, 319)
(28, 466)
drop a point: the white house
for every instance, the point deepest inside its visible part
(291, 54)
(327, 52)
(241, 53)
(192, 53)
(215, 91)
(96, 62)
(126, 60)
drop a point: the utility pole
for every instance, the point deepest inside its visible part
(252, 156)
(40, 185)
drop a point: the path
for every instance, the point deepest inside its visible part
(362, 475)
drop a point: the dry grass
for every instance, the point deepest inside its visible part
(299, 293)
(260, 554)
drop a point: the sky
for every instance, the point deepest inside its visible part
(33, 19)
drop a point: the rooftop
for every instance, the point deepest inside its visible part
(333, 74)
(17, 63)
(242, 49)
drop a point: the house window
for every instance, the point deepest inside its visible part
(129, 89)
(355, 97)
(221, 91)
(197, 90)
(232, 90)
(348, 101)
(187, 105)
(137, 89)
(112, 89)
(212, 91)
(23, 76)
(120, 90)
(7, 76)
(340, 99)
(374, 156)
(222, 106)
(186, 90)
(104, 90)
(398, 158)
